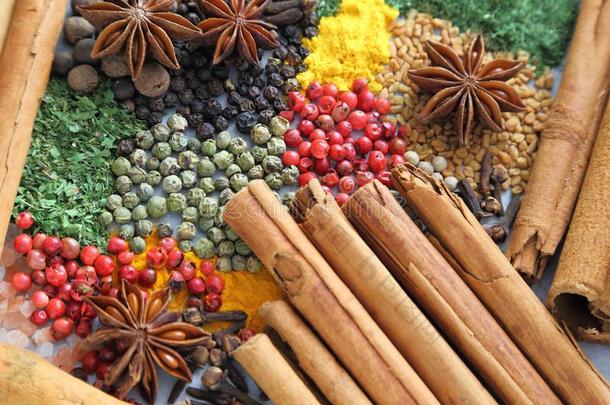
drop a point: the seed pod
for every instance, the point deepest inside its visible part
(172, 184)
(176, 202)
(161, 132)
(161, 150)
(276, 146)
(237, 146)
(223, 159)
(279, 125)
(169, 166)
(139, 212)
(216, 235)
(105, 218)
(145, 139)
(153, 178)
(153, 163)
(208, 207)
(144, 228)
(137, 175)
(253, 264)
(257, 172)
(139, 157)
(165, 231)
(157, 207)
(177, 123)
(206, 168)
(245, 161)
(120, 166)
(274, 180)
(223, 264)
(113, 202)
(208, 147)
(290, 174)
(223, 139)
(185, 246)
(242, 248)
(225, 196)
(121, 215)
(127, 231)
(238, 181)
(260, 134)
(204, 223)
(272, 164)
(204, 248)
(221, 183)
(226, 248)
(178, 142)
(259, 153)
(207, 185)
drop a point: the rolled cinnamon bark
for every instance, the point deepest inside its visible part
(440, 292)
(407, 327)
(272, 372)
(490, 275)
(313, 357)
(6, 11)
(580, 293)
(263, 223)
(565, 145)
(25, 67)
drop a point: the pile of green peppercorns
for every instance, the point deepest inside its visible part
(162, 170)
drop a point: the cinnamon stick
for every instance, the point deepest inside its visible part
(26, 64)
(580, 294)
(440, 292)
(565, 145)
(417, 339)
(313, 357)
(272, 372)
(6, 12)
(490, 275)
(262, 222)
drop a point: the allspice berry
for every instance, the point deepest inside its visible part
(77, 28)
(62, 62)
(83, 79)
(78, 3)
(114, 66)
(153, 81)
(82, 52)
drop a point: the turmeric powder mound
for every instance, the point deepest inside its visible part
(354, 43)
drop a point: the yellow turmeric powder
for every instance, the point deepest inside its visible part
(243, 291)
(354, 43)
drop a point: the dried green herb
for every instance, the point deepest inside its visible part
(67, 175)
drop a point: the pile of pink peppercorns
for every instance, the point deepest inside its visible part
(324, 143)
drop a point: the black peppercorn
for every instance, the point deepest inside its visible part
(178, 84)
(193, 83)
(128, 105)
(154, 118)
(265, 116)
(213, 108)
(200, 61)
(242, 89)
(273, 65)
(246, 105)
(156, 104)
(304, 52)
(283, 41)
(310, 19)
(300, 68)
(260, 82)
(202, 92)
(182, 9)
(123, 88)
(245, 122)
(229, 85)
(204, 75)
(220, 123)
(254, 92)
(280, 104)
(216, 88)
(139, 100)
(271, 93)
(311, 32)
(205, 131)
(291, 84)
(256, 70)
(287, 72)
(246, 78)
(186, 96)
(193, 18)
(230, 112)
(170, 99)
(124, 147)
(197, 106)
(275, 79)
(261, 103)
(142, 112)
(183, 110)
(220, 72)
(280, 53)
(233, 98)
(291, 31)
(195, 120)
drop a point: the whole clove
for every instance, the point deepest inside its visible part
(200, 356)
(216, 357)
(178, 387)
(237, 394)
(497, 192)
(491, 205)
(470, 198)
(213, 397)
(286, 17)
(233, 329)
(499, 230)
(486, 174)
(275, 7)
(236, 376)
(230, 343)
(212, 377)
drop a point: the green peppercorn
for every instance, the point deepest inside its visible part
(290, 174)
(207, 185)
(177, 123)
(205, 223)
(139, 212)
(194, 196)
(231, 234)
(161, 132)
(130, 200)
(223, 264)
(221, 183)
(161, 150)
(237, 146)
(156, 206)
(190, 214)
(242, 248)
(272, 164)
(120, 166)
(257, 172)
(176, 202)
(178, 142)
(188, 160)
(137, 245)
(238, 181)
(105, 218)
(223, 159)
(185, 246)
(143, 228)
(238, 262)
(153, 163)
(288, 198)
(216, 235)
(226, 248)
(145, 191)
(186, 231)
(169, 166)
(232, 169)
(193, 145)
(218, 219)
(113, 202)
(137, 175)
(204, 248)
(172, 184)
(223, 139)
(126, 232)
(279, 125)
(245, 161)
(121, 215)
(123, 184)
(206, 168)
(145, 139)
(225, 196)
(208, 207)
(259, 153)
(208, 147)
(274, 181)
(164, 230)
(139, 157)
(188, 178)
(253, 265)
(276, 146)
(153, 178)
(260, 134)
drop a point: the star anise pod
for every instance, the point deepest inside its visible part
(237, 25)
(138, 27)
(467, 86)
(152, 334)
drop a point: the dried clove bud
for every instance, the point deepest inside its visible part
(230, 343)
(491, 205)
(274, 7)
(200, 356)
(213, 397)
(486, 170)
(286, 17)
(216, 357)
(193, 316)
(496, 232)
(210, 344)
(212, 377)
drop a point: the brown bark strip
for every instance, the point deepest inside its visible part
(272, 372)
(414, 336)
(566, 143)
(580, 294)
(315, 290)
(6, 11)
(313, 357)
(490, 275)
(26, 64)
(440, 292)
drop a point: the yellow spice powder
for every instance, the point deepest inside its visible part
(354, 43)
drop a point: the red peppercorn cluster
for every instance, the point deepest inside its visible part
(341, 138)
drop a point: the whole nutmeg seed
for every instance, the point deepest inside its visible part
(212, 377)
